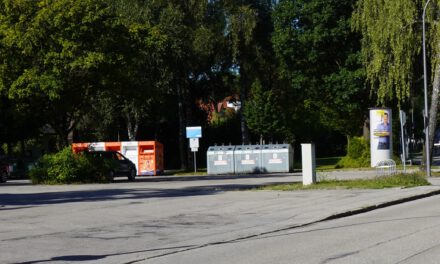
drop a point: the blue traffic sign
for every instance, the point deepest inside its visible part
(193, 132)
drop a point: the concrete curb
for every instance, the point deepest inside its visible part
(332, 217)
(379, 206)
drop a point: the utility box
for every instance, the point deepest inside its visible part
(150, 158)
(276, 158)
(247, 159)
(220, 159)
(308, 164)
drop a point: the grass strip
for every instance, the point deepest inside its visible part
(393, 181)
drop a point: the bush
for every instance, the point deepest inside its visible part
(356, 147)
(65, 167)
(358, 154)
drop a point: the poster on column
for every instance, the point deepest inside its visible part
(381, 144)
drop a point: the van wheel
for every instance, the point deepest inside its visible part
(132, 175)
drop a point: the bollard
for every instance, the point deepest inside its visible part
(308, 164)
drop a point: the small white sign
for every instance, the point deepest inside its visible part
(275, 161)
(194, 149)
(194, 143)
(220, 162)
(248, 162)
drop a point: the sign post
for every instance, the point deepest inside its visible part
(193, 134)
(402, 116)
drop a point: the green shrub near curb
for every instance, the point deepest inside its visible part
(66, 167)
(358, 154)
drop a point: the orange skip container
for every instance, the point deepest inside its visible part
(150, 158)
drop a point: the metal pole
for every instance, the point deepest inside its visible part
(402, 131)
(425, 82)
(195, 162)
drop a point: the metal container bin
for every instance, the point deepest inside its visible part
(220, 159)
(277, 158)
(247, 159)
(150, 158)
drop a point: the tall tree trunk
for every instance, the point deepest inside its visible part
(9, 148)
(182, 126)
(132, 127)
(132, 116)
(243, 127)
(189, 121)
(243, 97)
(348, 143)
(434, 107)
(22, 148)
(63, 126)
(70, 133)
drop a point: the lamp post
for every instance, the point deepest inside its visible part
(425, 83)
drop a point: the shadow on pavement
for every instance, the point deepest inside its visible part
(24, 182)
(79, 258)
(211, 177)
(44, 198)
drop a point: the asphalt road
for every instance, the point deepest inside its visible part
(406, 233)
(155, 218)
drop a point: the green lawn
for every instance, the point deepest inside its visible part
(327, 163)
(398, 180)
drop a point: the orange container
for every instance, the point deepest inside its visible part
(113, 146)
(79, 147)
(150, 158)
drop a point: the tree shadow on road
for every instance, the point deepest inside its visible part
(23, 200)
(74, 258)
(212, 177)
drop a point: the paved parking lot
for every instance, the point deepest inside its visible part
(137, 222)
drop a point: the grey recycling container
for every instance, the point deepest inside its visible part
(276, 158)
(220, 159)
(247, 159)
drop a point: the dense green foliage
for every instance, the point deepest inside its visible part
(319, 60)
(108, 70)
(54, 54)
(65, 167)
(391, 51)
(358, 154)
(388, 54)
(263, 113)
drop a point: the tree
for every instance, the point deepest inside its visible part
(262, 112)
(248, 31)
(55, 53)
(391, 41)
(141, 77)
(320, 64)
(189, 34)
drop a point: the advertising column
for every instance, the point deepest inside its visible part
(380, 135)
